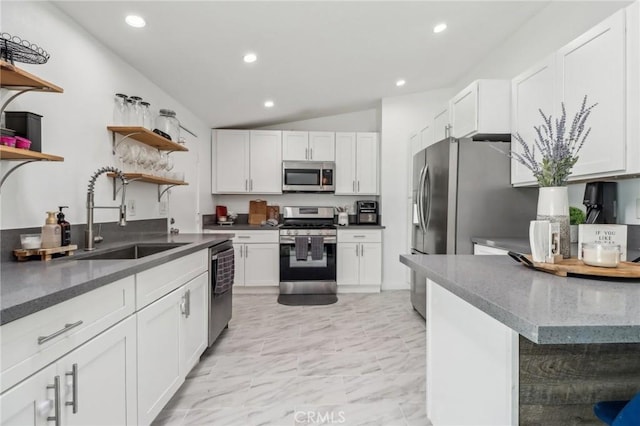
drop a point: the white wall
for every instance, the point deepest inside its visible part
(74, 126)
(401, 116)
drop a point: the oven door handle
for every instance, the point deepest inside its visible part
(292, 240)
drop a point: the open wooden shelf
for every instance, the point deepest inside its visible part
(147, 137)
(141, 177)
(13, 78)
(9, 153)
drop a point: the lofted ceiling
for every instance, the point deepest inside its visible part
(315, 58)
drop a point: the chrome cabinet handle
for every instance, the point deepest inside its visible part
(359, 236)
(250, 184)
(67, 327)
(241, 250)
(306, 153)
(56, 401)
(361, 250)
(246, 251)
(310, 153)
(244, 236)
(353, 186)
(188, 303)
(183, 305)
(74, 388)
(246, 184)
(357, 250)
(358, 186)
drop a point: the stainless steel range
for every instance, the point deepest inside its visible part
(308, 240)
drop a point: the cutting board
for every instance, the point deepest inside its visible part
(575, 266)
(257, 212)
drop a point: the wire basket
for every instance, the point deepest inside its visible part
(14, 49)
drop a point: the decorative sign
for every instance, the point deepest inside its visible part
(604, 234)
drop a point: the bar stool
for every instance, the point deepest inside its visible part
(619, 413)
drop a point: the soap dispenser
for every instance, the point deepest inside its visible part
(51, 235)
(65, 227)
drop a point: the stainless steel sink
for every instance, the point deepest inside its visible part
(135, 251)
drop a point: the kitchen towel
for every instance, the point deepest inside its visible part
(225, 272)
(317, 247)
(302, 248)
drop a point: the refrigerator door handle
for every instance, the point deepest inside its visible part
(428, 189)
(421, 206)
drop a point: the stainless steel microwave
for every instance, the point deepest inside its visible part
(308, 176)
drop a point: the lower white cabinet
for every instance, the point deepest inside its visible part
(480, 249)
(257, 257)
(167, 344)
(92, 385)
(359, 259)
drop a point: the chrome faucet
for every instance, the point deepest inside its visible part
(89, 238)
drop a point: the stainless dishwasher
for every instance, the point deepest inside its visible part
(221, 278)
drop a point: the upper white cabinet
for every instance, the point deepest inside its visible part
(633, 87)
(441, 125)
(594, 65)
(308, 146)
(531, 91)
(481, 108)
(357, 157)
(247, 161)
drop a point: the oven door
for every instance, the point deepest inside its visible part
(294, 272)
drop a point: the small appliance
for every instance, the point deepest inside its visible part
(600, 199)
(308, 176)
(367, 212)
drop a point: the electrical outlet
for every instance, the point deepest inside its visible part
(162, 208)
(637, 208)
(131, 208)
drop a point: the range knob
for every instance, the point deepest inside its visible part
(288, 231)
(308, 232)
(295, 232)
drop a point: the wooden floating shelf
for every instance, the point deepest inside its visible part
(13, 78)
(141, 177)
(10, 153)
(147, 137)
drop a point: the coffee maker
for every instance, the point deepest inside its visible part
(600, 198)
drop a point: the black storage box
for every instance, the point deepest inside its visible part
(27, 125)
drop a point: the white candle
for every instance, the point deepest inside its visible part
(596, 254)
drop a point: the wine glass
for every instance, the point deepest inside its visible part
(131, 158)
(169, 166)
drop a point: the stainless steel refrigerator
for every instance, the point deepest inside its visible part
(462, 189)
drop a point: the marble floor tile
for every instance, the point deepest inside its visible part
(352, 364)
(362, 357)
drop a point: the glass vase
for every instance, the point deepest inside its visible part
(553, 205)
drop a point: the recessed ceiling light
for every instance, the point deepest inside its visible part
(400, 83)
(135, 21)
(268, 104)
(439, 28)
(250, 57)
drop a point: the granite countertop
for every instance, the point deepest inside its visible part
(28, 287)
(247, 227)
(521, 245)
(542, 307)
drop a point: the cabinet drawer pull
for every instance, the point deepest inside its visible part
(244, 236)
(359, 236)
(67, 327)
(74, 388)
(56, 401)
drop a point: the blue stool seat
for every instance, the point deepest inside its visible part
(619, 413)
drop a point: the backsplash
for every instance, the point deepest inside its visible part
(240, 203)
(10, 238)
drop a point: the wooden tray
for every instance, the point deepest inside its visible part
(45, 254)
(574, 266)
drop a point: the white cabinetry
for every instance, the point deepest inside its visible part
(441, 125)
(357, 158)
(308, 146)
(359, 259)
(531, 91)
(594, 65)
(171, 334)
(481, 108)
(94, 384)
(247, 161)
(480, 249)
(257, 257)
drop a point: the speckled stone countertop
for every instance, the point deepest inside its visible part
(246, 227)
(521, 245)
(542, 307)
(31, 286)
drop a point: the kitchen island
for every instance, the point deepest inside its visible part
(510, 345)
